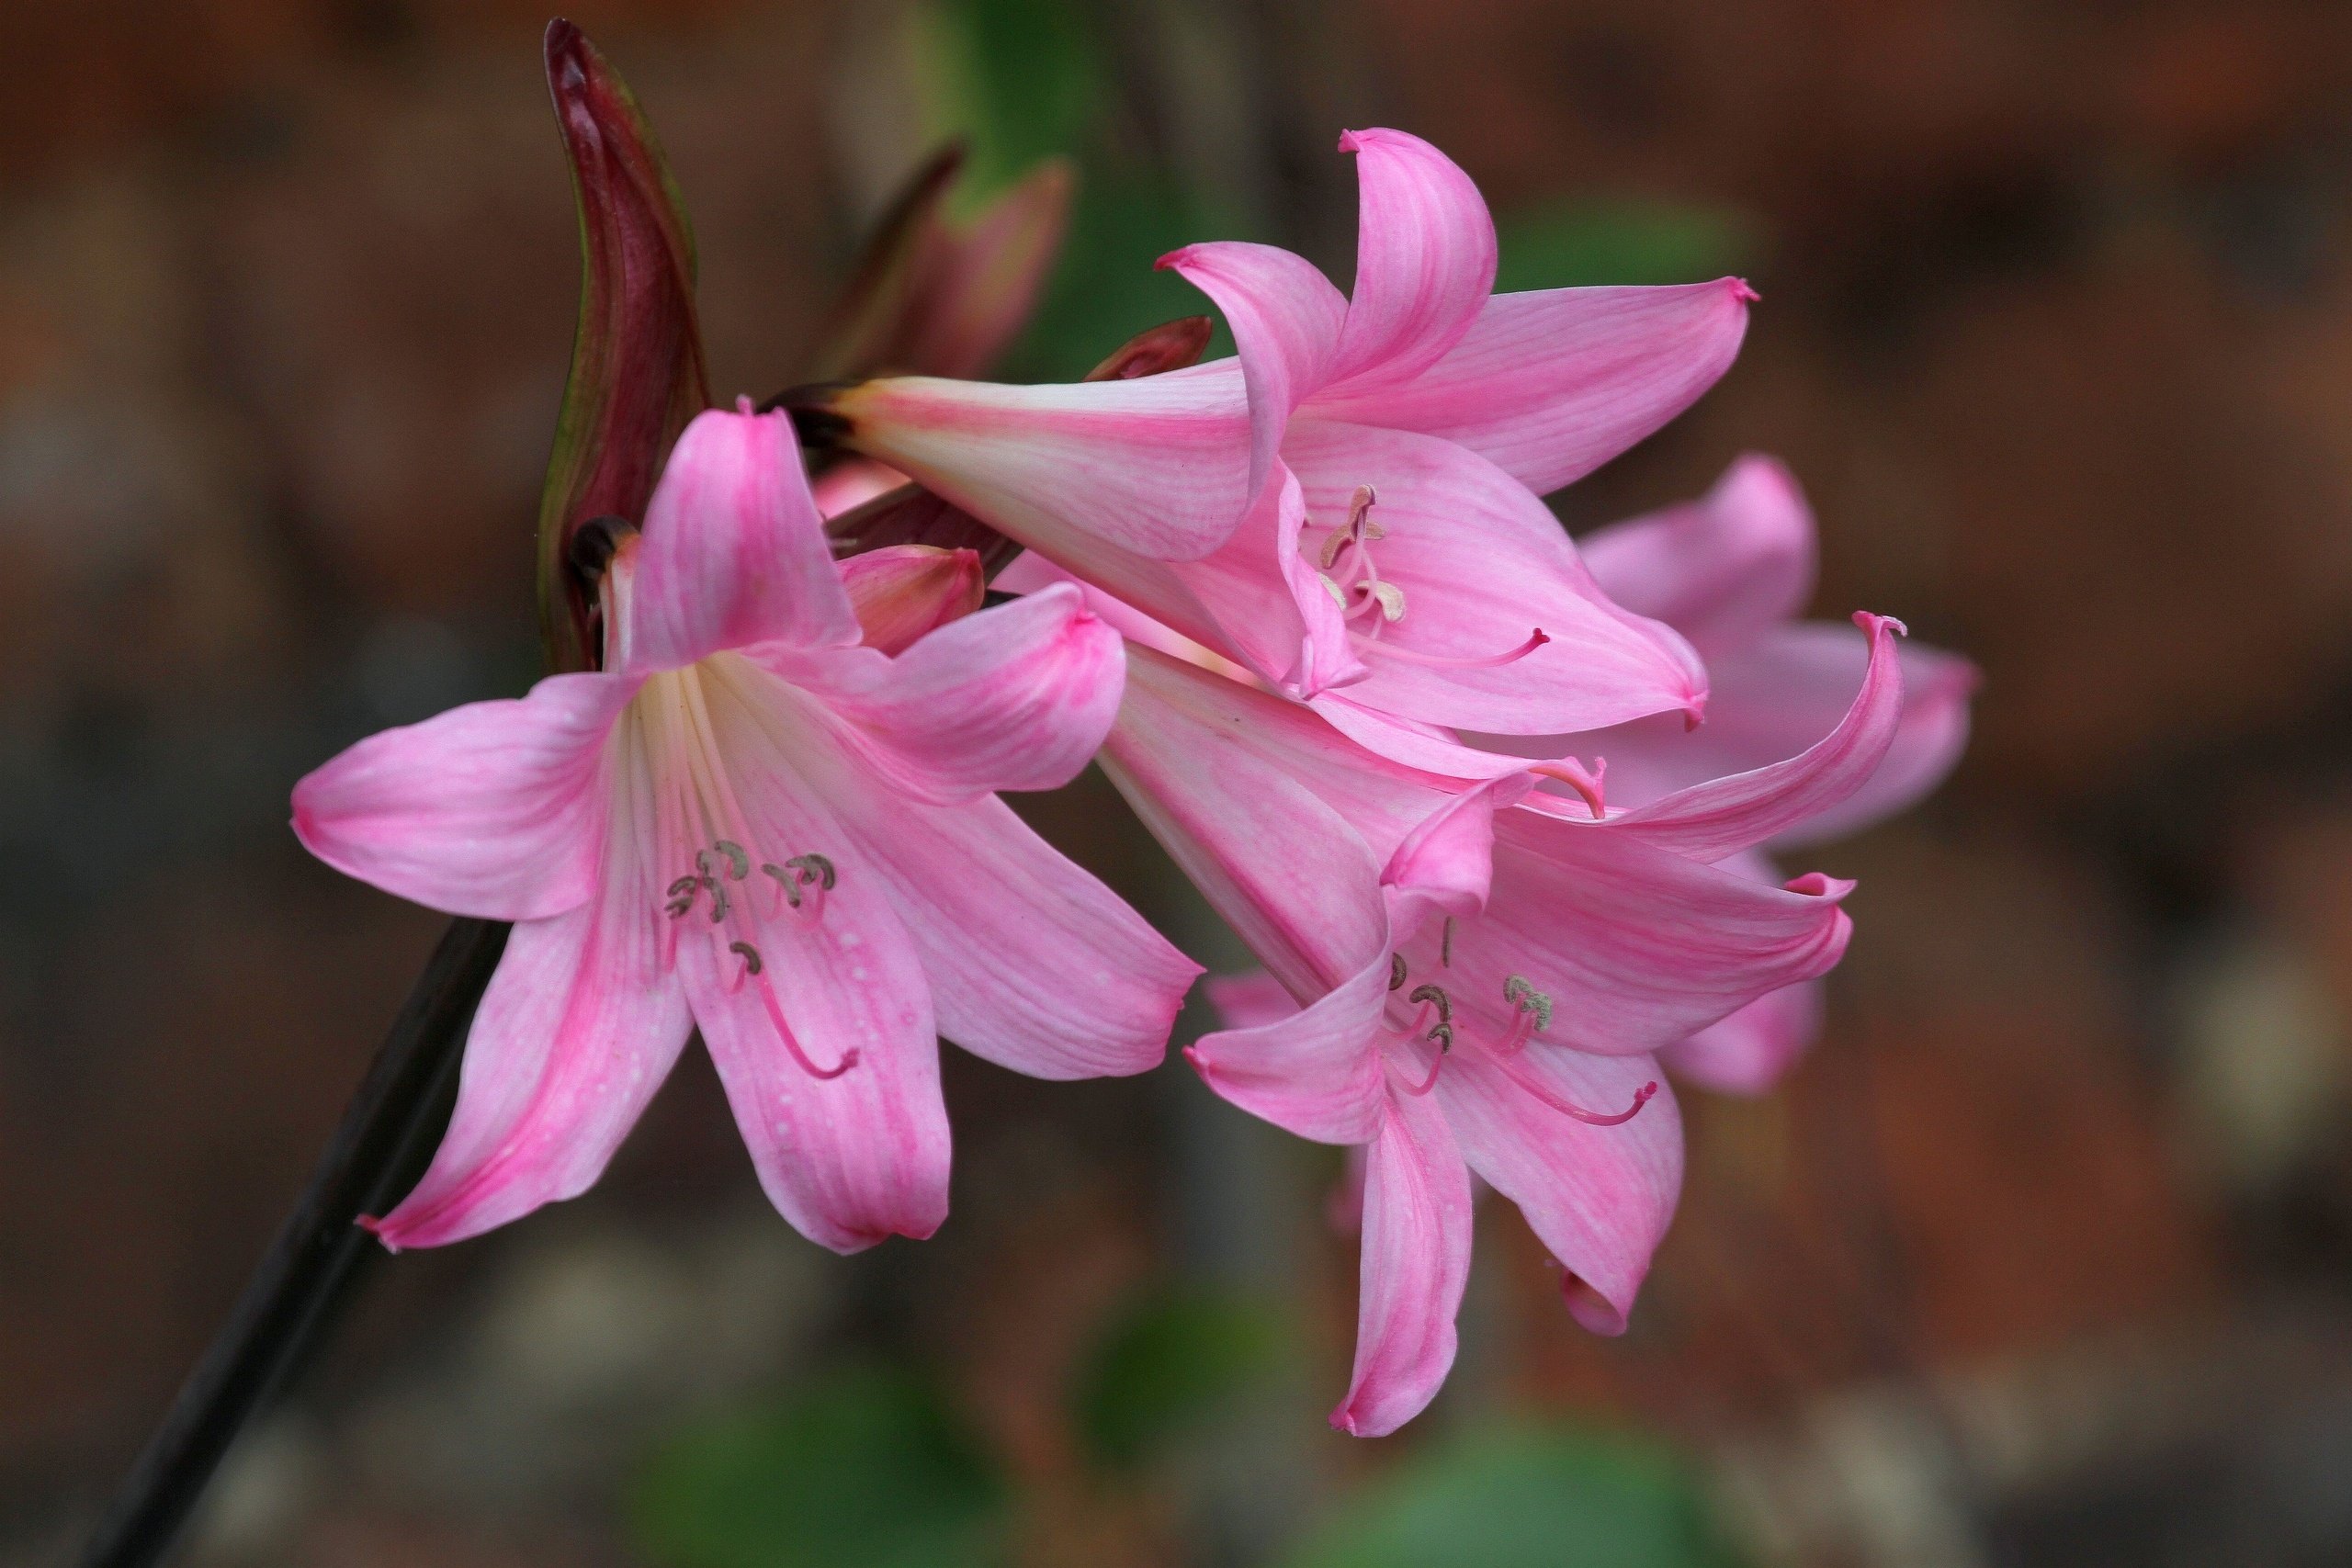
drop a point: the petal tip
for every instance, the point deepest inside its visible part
(1743, 291)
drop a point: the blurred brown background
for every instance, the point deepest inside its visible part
(2044, 1257)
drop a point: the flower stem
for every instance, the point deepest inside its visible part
(386, 1136)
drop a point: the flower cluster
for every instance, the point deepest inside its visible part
(1441, 769)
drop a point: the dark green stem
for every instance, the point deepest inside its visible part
(382, 1146)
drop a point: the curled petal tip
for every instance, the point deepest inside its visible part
(1344, 1420)
(1743, 291)
(1174, 258)
(1819, 885)
(373, 1224)
(1871, 624)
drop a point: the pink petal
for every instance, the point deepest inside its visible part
(855, 1157)
(1749, 1053)
(1599, 1197)
(1721, 570)
(1425, 259)
(1637, 947)
(1417, 1228)
(1285, 318)
(1032, 964)
(1265, 603)
(1017, 697)
(1246, 1000)
(1445, 865)
(733, 552)
(1937, 687)
(1483, 565)
(495, 809)
(1550, 385)
(578, 1027)
(1284, 870)
(1710, 821)
(1316, 1072)
(901, 591)
(1782, 693)
(1156, 465)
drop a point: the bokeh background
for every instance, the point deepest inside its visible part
(2044, 1257)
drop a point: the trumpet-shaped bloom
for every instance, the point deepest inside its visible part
(1348, 507)
(751, 822)
(1732, 572)
(1484, 969)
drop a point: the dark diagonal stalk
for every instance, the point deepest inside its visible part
(386, 1137)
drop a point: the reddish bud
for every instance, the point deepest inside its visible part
(637, 375)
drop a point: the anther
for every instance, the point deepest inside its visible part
(1441, 1036)
(738, 865)
(1520, 992)
(813, 868)
(1396, 970)
(751, 956)
(784, 879)
(1444, 945)
(1435, 995)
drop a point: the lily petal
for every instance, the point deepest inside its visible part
(733, 552)
(1710, 821)
(1749, 1052)
(1780, 694)
(1033, 963)
(1550, 384)
(1285, 318)
(1446, 862)
(1246, 1000)
(578, 1027)
(1599, 1197)
(1156, 465)
(857, 1148)
(901, 591)
(1638, 946)
(1314, 1072)
(1283, 868)
(1017, 697)
(1721, 570)
(495, 809)
(1425, 259)
(1483, 565)
(1417, 1228)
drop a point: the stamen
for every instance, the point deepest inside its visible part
(1360, 522)
(738, 865)
(1520, 1075)
(1445, 946)
(783, 879)
(1573, 773)
(1338, 596)
(1391, 599)
(1428, 1083)
(1441, 1036)
(1396, 970)
(813, 868)
(1436, 996)
(752, 961)
(792, 1044)
(1535, 640)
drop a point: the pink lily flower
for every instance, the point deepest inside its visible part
(1732, 572)
(751, 822)
(1482, 970)
(1348, 508)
